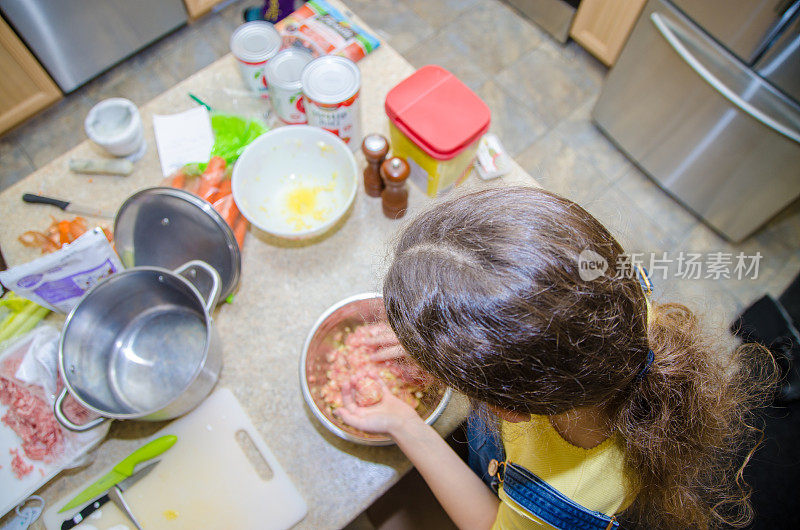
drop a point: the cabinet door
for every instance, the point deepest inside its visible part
(25, 87)
(198, 8)
(603, 26)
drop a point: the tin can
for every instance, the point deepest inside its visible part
(285, 89)
(254, 44)
(331, 88)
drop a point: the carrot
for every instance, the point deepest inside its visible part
(211, 177)
(37, 239)
(239, 230)
(193, 185)
(63, 232)
(223, 190)
(227, 209)
(179, 180)
(77, 227)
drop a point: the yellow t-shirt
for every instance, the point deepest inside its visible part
(594, 478)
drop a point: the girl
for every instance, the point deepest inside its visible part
(593, 400)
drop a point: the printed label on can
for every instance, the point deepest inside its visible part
(253, 75)
(288, 105)
(342, 119)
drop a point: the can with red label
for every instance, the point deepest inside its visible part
(331, 88)
(254, 44)
(285, 90)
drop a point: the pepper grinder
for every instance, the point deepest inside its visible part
(375, 147)
(395, 195)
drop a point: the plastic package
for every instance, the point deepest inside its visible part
(322, 30)
(212, 180)
(59, 279)
(29, 384)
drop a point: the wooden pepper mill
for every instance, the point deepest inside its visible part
(395, 195)
(375, 148)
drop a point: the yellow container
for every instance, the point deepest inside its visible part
(430, 174)
(435, 123)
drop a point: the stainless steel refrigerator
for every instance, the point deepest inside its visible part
(704, 98)
(75, 40)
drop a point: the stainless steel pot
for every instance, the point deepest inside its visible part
(140, 345)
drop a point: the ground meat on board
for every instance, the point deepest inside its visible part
(18, 464)
(29, 416)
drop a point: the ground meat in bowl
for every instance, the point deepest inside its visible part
(364, 356)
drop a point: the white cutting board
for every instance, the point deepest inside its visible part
(205, 480)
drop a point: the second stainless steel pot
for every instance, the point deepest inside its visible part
(140, 345)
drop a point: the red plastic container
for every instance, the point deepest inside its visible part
(436, 122)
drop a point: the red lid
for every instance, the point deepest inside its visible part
(437, 111)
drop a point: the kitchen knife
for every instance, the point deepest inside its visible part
(94, 506)
(122, 470)
(67, 206)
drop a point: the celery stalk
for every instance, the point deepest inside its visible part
(38, 314)
(11, 327)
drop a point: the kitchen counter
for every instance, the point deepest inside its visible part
(284, 287)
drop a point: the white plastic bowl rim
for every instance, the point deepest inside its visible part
(289, 131)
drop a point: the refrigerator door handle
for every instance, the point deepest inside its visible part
(674, 40)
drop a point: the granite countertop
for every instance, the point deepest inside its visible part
(284, 287)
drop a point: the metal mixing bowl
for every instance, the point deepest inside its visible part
(349, 313)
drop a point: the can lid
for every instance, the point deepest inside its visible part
(331, 79)
(255, 41)
(437, 112)
(285, 69)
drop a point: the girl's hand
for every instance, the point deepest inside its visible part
(385, 417)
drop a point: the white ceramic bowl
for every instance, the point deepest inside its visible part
(295, 182)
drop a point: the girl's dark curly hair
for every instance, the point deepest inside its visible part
(485, 293)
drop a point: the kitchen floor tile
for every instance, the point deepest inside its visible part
(186, 51)
(668, 213)
(495, 35)
(14, 163)
(561, 169)
(448, 51)
(439, 12)
(55, 130)
(516, 126)
(548, 83)
(393, 21)
(631, 226)
(216, 30)
(579, 132)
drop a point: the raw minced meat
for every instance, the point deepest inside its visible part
(360, 360)
(29, 416)
(18, 464)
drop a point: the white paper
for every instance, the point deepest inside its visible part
(183, 138)
(59, 279)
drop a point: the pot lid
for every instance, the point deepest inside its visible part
(166, 227)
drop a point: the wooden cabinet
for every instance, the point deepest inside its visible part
(603, 26)
(25, 87)
(198, 8)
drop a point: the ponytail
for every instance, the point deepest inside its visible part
(687, 423)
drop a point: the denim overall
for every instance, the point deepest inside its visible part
(488, 460)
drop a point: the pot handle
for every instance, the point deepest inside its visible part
(63, 420)
(213, 296)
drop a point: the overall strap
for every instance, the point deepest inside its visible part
(542, 500)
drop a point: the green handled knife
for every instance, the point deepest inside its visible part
(122, 470)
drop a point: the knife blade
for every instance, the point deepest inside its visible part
(122, 470)
(116, 495)
(94, 506)
(67, 206)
